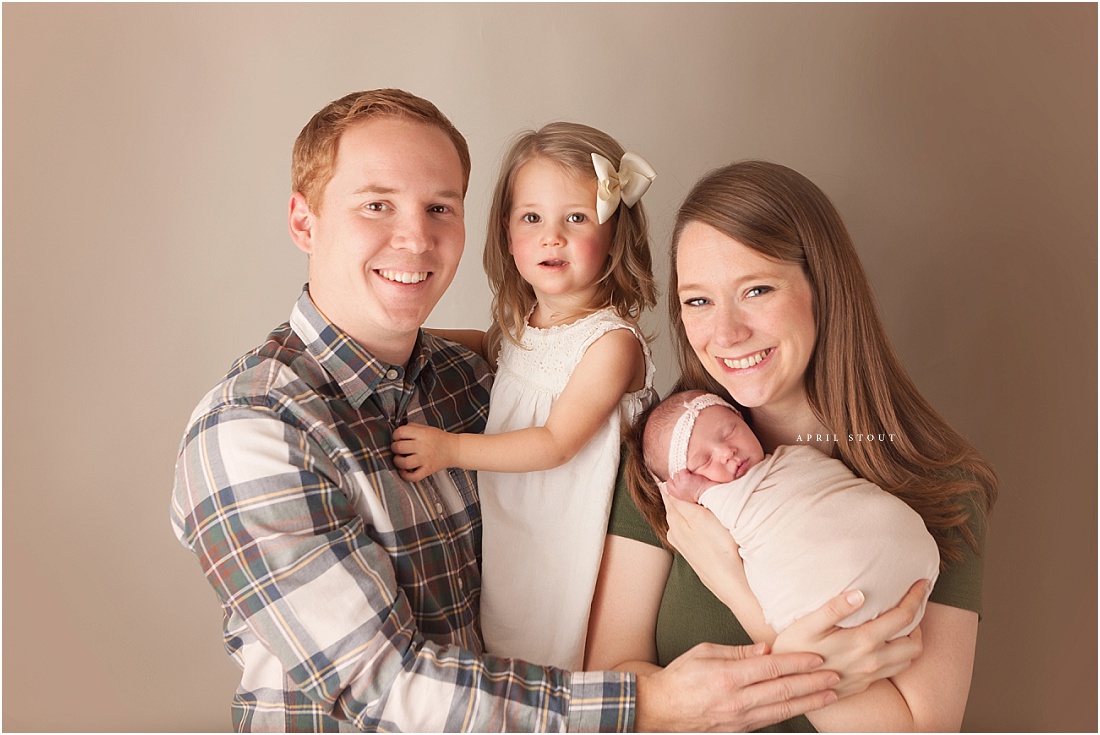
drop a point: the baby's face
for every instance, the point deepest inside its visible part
(722, 447)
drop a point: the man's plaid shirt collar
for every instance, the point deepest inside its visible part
(356, 371)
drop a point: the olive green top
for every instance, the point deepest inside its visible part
(690, 614)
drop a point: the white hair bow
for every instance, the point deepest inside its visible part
(627, 184)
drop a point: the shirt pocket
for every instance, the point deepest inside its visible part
(466, 483)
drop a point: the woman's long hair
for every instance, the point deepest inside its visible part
(854, 381)
(627, 282)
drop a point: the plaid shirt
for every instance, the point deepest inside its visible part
(351, 596)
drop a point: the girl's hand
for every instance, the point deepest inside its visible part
(864, 654)
(420, 450)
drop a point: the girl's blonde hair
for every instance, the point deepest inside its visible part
(627, 283)
(854, 381)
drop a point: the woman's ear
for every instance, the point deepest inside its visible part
(301, 222)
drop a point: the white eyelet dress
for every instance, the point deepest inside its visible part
(544, 531)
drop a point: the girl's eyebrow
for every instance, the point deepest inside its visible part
(579, 204)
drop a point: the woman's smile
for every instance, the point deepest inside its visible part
(749, 361)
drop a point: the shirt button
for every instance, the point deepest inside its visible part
(461, 584)
(439, 508)
(391, 374)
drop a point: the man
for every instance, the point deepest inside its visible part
(350, 596)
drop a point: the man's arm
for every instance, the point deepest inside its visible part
(280, 537)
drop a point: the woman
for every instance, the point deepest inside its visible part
(770, 307)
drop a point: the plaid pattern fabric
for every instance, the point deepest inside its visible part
(351, 596)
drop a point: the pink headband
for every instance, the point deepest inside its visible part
(681, 433)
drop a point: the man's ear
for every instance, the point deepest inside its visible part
(301, 223)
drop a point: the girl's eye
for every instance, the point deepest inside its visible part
(376, 207)
(697, 301)
(576, 218)
(530, 218)
(758, 291)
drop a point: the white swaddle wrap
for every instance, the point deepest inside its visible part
(809, 529)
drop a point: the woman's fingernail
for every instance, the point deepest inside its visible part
(855, 597)
(758, 649)
(832, 681)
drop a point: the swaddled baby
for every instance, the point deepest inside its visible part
(808, 528)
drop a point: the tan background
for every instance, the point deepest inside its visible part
(146, 154)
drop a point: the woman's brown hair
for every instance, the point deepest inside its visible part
(854, 381)
(627, 283)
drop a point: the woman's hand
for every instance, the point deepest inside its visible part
(864, 654)
(709, 548)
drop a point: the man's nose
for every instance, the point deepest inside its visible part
(413, 233)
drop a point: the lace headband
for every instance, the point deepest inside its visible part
(627, 184)
(681, 433)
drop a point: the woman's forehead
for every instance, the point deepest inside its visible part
(706, 256)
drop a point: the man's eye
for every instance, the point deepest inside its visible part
(376, 207)
(530, 218)
(438, 209)
(576, 218)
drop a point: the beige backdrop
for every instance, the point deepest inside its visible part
(146, 153)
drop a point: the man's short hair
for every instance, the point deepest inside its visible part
(314, 158)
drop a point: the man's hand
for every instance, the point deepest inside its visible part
(420, 450)
(731, 689)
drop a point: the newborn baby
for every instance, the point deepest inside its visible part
(808, 528)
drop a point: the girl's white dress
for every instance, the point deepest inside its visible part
(544, 531)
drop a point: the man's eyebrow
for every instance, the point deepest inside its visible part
(385, 190)
(374, 189)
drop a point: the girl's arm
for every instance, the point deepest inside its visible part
(473, 339)
(611, 366)
(929, 694)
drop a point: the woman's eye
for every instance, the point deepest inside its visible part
(757, 291)
(576, 218)
(530, 218)
(697, 301)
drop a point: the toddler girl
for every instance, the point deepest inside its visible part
(567, 255)
(808, 528)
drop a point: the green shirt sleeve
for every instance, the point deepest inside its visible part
(960, 583)
(626, 520)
